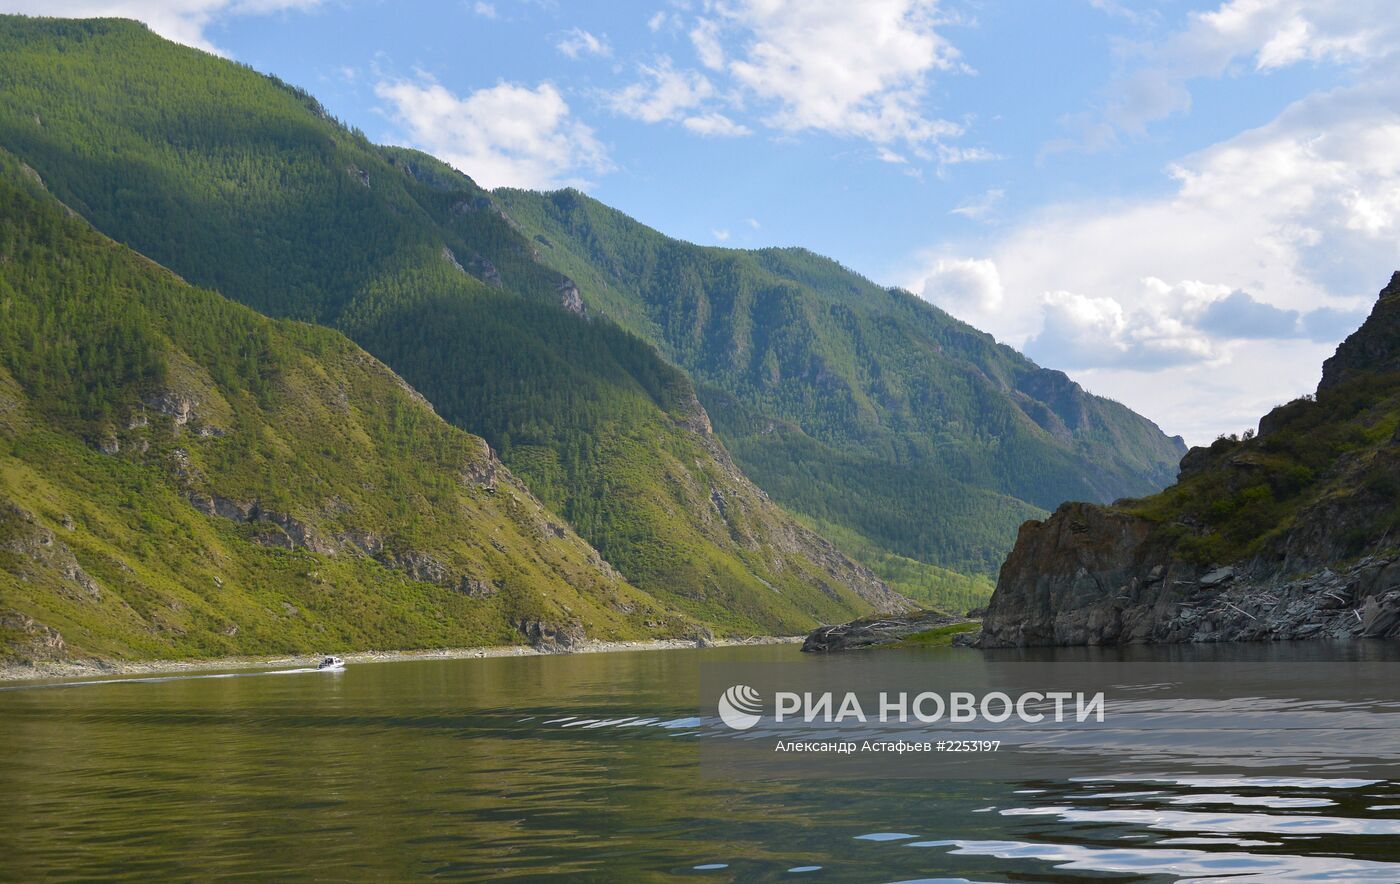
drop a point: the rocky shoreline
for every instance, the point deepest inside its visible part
(1286, 533)
(96, 669)
(895, 629)
(1087, 576)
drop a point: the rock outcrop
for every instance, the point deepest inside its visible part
(1373, 347)
(870, 632)
(484, 270)
(1286, 535)
(271, 528)
(451, 258)
(33, 551)
(1089, 576)
(552, 637)
(570, 298)
(28, 640)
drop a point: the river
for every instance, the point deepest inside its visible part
(587, 767)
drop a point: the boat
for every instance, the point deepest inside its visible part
(331, 663)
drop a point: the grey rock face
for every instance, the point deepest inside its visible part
(487, 272)
(571, 298)
(179, 408)
(1087, 576)
(545, 636)
(1069, 579)
(471, 204)
(1380, 618)
(450, 258)
(38, 552)
(32, 640)
(1217, 577)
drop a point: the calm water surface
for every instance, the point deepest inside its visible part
(586, 767)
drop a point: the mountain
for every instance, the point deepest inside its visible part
(1293, 532)
(245, 185)
(554, 327)
(180, 476)
(867, 409)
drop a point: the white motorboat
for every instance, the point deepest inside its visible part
(331, 663)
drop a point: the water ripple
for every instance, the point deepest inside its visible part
(1189, 821)
(1193, 866)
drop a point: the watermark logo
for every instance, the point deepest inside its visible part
(986, 718)
(740, 707)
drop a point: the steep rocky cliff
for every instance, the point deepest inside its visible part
(1290, 533)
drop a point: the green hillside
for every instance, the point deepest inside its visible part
(1316, 485)
(245, 185)
(180, 476)
(856, 405)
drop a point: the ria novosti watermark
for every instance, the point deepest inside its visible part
(979, 718)
(740, 706)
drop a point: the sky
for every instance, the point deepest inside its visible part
(1184, 205)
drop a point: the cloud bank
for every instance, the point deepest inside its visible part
(1220, 298)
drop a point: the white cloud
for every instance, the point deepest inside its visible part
(485, 10)
(579, 42)
(505, 135)
(720, 234)
(964, 286)
(753, 223)
(980, 207)
(952, 154)
(856, 70)
(1075, 325)
(1203, 400)
(705, 37)
(1126, 12)
(1079, 331)
(1266, 35)
(665, 20)
(665, 93)
(1278, 33)
(183, 21)
(1283, 232)
(715, 124)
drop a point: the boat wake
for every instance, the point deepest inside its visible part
(161, 679)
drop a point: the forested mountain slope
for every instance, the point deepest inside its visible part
(180, 476)
(243, 184)
(856, 405)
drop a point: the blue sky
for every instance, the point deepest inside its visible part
(1183, 204)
